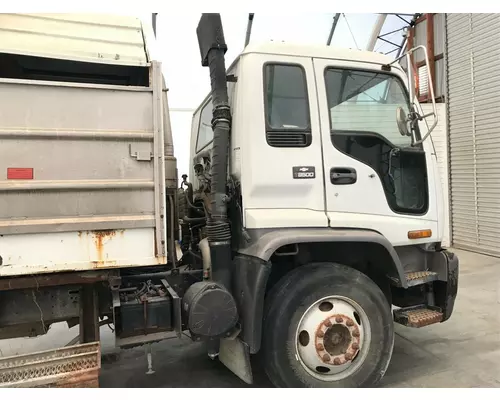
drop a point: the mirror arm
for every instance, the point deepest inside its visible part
(431, 88)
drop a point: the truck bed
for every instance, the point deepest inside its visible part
(82, 182)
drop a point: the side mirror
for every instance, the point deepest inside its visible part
(402, 121)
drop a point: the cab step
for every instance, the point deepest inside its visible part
(418, 316)
(417, 278)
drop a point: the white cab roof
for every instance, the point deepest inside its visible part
(102, 38)
(317, 51)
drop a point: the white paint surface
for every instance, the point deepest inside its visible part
(72, 251)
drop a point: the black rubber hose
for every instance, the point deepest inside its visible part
(218, 228)
(212, 49)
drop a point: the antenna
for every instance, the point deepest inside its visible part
(153, 20)
(249, 28)
(334, 25)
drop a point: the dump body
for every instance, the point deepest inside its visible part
(82, 167)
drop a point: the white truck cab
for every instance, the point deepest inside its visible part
(333, 187)
(315, 143)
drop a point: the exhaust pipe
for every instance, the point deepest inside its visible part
(208, 306)
(213, 48)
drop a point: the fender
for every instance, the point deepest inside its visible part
(252, 268)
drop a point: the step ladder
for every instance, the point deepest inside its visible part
(420, 315)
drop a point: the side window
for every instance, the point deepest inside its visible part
(365, 102)
(205, 132)
(286, 106)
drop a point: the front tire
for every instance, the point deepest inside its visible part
(327, 325)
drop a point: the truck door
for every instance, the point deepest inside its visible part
(374, 178)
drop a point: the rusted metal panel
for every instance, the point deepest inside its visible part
(89, 315)
(429, 31)
(72, 366)
(47, 280)
(430, 50)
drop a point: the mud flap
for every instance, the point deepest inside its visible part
(235, 355)
(446, 288)
(73, 366)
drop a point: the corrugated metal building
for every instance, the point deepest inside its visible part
(466, 50)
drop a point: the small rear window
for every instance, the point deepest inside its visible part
(286, 97)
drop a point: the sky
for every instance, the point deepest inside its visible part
(176, 46)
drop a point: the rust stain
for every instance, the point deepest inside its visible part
(53, 280)
(103, 264)
(86, 379)
(100, 238)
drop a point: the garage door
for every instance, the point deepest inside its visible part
(474, 130)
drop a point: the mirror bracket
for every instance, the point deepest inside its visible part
(412, 95)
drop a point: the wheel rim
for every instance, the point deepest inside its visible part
(333, 338)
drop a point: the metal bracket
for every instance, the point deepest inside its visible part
(176, 307)
(140, 154)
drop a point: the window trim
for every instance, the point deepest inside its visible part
(420, 148)
(198, 150)
(268, 128)
(391, 74)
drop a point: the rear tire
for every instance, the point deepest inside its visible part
(326, 325)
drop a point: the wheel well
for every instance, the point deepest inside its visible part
(372, 259)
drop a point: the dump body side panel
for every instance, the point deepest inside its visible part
(81, 176)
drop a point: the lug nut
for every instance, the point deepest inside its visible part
(328, 323)
(326, 358)
(349, 323)
(355, 333)
(339, 320)
(348, 356)
(336, 361)
(355, 346)
(320, 347)
(320, 334)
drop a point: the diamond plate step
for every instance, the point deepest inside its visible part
(418, 278)
(73, 366)
(418, 316)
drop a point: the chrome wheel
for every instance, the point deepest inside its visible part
(333, 338)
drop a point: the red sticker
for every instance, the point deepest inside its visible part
(19, 173)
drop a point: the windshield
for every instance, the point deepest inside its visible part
(365, 102)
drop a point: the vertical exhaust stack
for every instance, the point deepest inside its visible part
(213, 48)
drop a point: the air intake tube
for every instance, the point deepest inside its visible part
(212, 49)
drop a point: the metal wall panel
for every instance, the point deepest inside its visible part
(473, 81)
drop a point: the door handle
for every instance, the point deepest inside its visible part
(343, 176)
